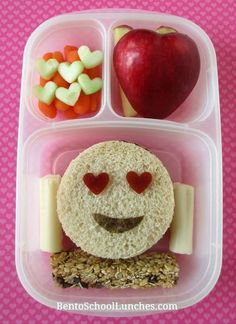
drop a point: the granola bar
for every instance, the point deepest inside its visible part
(79, 269)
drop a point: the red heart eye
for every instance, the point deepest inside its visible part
(96, 183)
(139, 182)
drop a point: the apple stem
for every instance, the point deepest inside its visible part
(165, 30)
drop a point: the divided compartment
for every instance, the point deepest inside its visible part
(50, 151)
(53, 36)
(200, 102)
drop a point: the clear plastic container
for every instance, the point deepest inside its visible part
(188, 142)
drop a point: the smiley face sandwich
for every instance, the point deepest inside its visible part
(115, 200)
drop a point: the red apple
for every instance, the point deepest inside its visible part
(156, 70)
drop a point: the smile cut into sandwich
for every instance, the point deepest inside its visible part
(117, 225)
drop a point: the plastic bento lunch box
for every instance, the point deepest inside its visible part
(188, 142)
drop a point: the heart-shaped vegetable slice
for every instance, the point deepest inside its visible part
(69, 96)
(47, 68)
(45, 94)
(139, 183)
(89, 86)
(90, 59)
(70, 71)
(96, 183)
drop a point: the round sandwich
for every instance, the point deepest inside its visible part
(115, 200)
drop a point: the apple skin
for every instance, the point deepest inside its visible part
(157, 72)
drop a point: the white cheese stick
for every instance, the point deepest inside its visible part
(51, 234)
(182, 224)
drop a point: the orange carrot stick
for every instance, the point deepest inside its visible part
(70, 114)
(95, 72)
(58, 79)
(42, 81)
(47, 56)
(85, 71)
(95, 101)
(47, 110)
(58, 56)
(69, 48)
(61, 105)
(82, 106)
(73, 56)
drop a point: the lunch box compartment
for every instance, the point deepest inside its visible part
(51, 151)
(89, 32)
(201, 100)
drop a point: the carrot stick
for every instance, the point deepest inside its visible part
(42, 82)
(58, 79)
(58, 56)
(70, 114)
(95, 101)
(47, 110)
(73, 56)
(67, 49)
(95, 72)
(47, 56)
(61, 105)
(82, 106)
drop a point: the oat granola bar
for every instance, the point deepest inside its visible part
(79, 269)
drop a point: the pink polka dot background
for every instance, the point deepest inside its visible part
(18, 19)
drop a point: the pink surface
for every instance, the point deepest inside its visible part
(19, 19)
